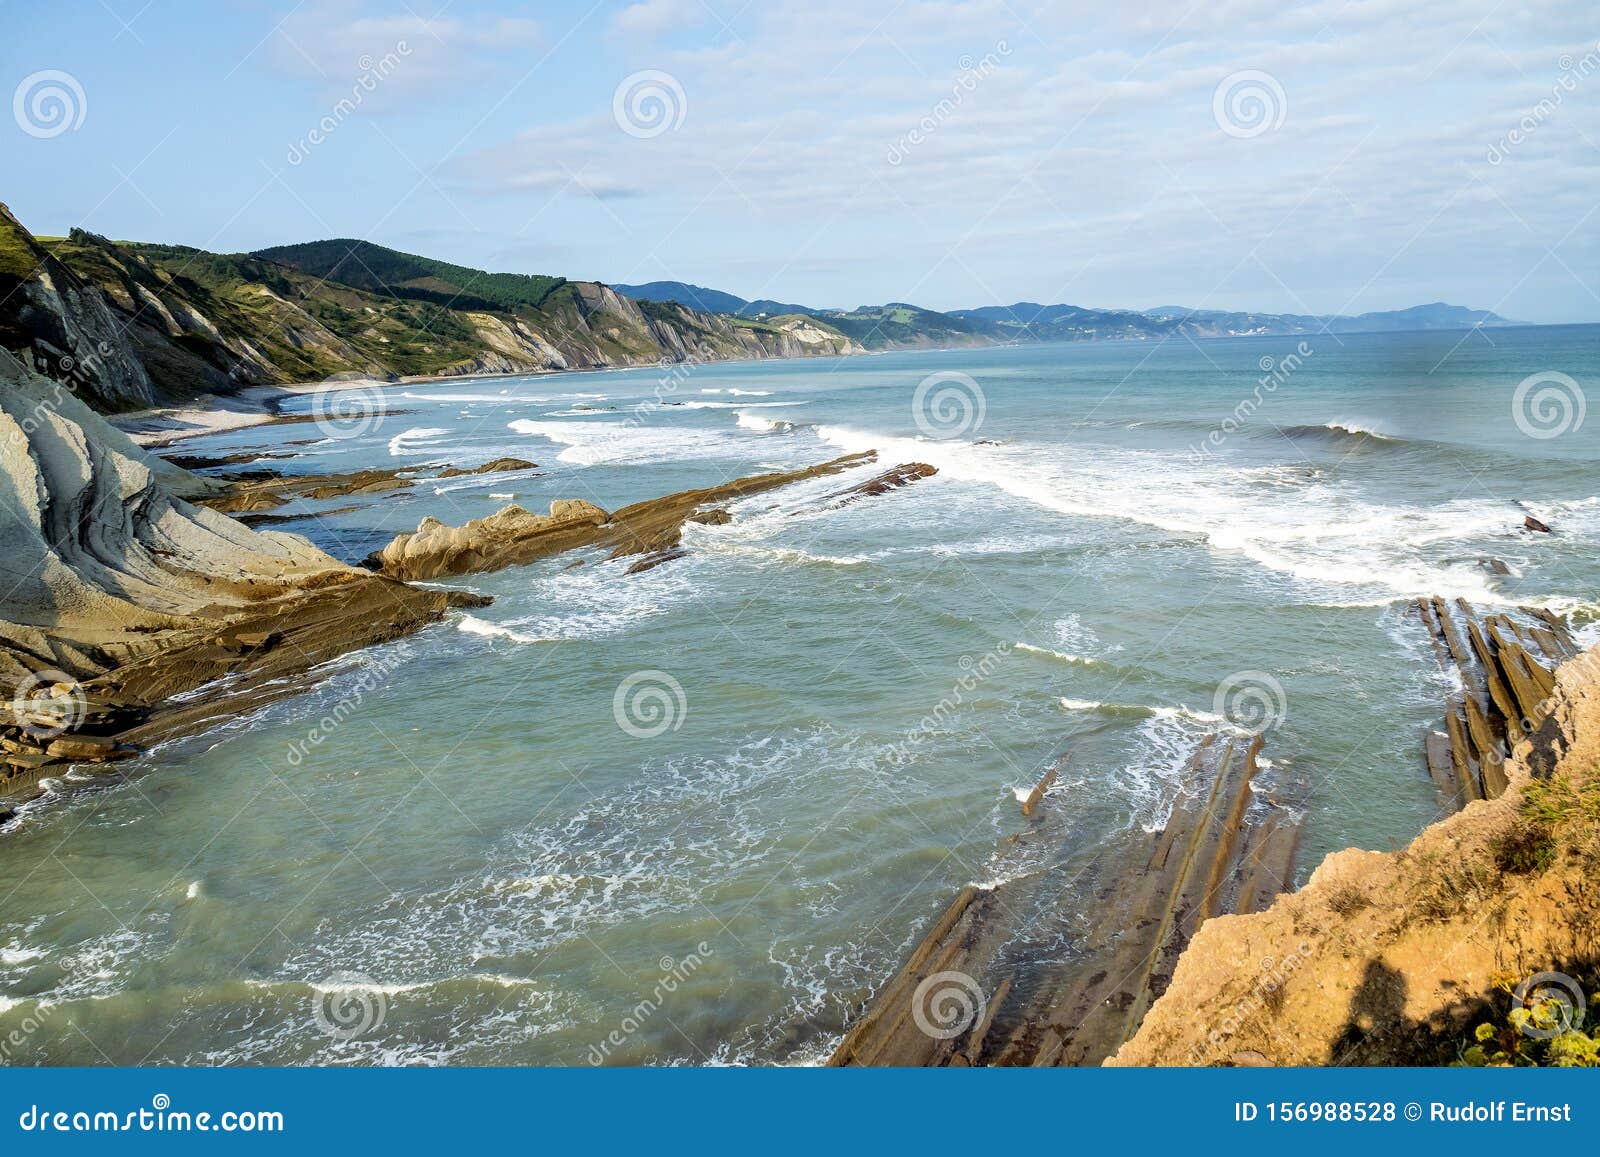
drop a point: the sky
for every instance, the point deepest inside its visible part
(1321, 157)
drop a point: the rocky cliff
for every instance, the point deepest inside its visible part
(128, 326)
(131, 612)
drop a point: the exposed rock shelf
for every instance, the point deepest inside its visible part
(1391, 958)
(1218, 852)
(1505, 668)
(124, 597)
(652, 529)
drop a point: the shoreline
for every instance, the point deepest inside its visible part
(261, 405)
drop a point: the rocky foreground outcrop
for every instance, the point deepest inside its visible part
(1391, 958)
(122, 595)
(1010, 975)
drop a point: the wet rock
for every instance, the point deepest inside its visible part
(655, 559)
(903, 475)
(89, 748)
(711, 517)
(497, 466)
(510, 535)
(1533, 524)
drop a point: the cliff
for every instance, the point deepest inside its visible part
(128, 326)
(1394, 958)
(130, 612)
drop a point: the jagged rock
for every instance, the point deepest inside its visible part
(1393, 958)
(711, 517)
(903, 475)
(497, 466)
(1533, 524)
(89, 748)
(1143, 900)
(655, 559)
(513, 536)
(509, 535)
(127, 589)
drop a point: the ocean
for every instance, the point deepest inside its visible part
(698, 815)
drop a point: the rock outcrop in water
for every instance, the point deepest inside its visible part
(508, 536)
(1392, 958)
(995, 956)
(652, 529)
(123, 596)
(1504, 666)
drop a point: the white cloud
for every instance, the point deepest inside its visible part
(1089, 160)
(651, 18)
(335, 42)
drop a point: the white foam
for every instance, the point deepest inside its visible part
(591, 443)
(701, 405)
(760, 425)
(473, 625)
(420, 397)
(1320, 535)
(1062, 656)
(1358, 428)
(406, 441)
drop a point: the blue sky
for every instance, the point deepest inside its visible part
(1380, 153)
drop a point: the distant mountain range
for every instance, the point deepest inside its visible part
(898, 324)
(134, 324)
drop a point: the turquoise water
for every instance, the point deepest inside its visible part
(477, 863)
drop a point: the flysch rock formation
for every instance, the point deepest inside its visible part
(652, 529)
(123, 596)
(1057, 967)
(1504, 666)
(1391, 958)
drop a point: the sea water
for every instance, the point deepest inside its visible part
(697, 815)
